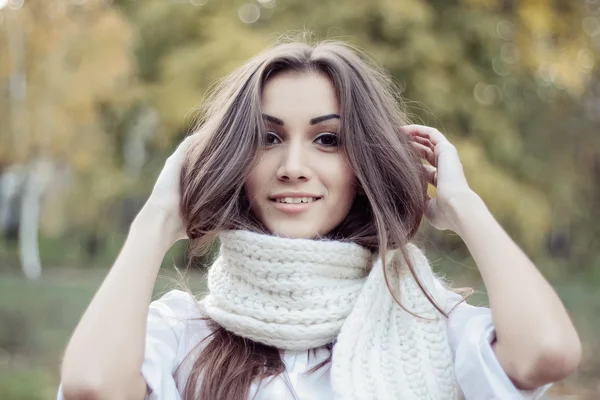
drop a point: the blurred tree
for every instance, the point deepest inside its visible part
(505, 80)
(483, 68)
(487, 71)
(462, 59)
(63, 61)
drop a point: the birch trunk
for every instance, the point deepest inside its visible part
(38, 176)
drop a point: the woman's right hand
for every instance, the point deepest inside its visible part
(165, 198)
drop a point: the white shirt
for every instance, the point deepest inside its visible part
(172, 333)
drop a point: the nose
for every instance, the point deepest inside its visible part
(294, 164)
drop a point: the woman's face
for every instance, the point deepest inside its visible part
(302, 185)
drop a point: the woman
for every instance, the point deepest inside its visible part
(308, 173)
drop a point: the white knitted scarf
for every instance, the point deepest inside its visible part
(298, 294)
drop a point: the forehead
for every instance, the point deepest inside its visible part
(299, 94)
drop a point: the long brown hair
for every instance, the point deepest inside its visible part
(385, 215)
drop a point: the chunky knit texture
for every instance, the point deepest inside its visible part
(298, 294)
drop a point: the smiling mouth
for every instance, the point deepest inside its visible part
(294, 205)
(294, 200)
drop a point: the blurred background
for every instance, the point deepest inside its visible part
(95, 94)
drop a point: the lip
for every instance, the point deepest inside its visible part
(293, 194)
(296, 207)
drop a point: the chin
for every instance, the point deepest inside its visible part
(288, 230)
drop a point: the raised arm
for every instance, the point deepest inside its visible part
(536, 342)
(105, 354)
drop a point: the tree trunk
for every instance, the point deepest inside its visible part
(38, 175)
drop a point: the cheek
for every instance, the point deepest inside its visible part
(340, 179)
(259, 178)
(253, 186)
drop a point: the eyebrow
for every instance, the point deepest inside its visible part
(313, 121)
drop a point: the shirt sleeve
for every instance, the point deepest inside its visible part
(478, 372)
(167, 321)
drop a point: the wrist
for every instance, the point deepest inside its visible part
(157, 221)
(465, 209)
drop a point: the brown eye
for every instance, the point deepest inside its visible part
(327, 140)
(271, 139)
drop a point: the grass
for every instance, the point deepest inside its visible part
(37, 318)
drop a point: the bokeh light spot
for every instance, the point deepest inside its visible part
(585, 60)
(15, 4)
(590, 25)
(267, 3)
(509, 53)
(505, 30)
(487, 94)
(249, 13)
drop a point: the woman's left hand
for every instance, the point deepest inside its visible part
(445, 173)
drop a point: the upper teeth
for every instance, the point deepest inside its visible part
(295, 200)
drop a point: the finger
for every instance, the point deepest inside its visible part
(423, 141)
(425, 153)
(430, 173)
(428, 132)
